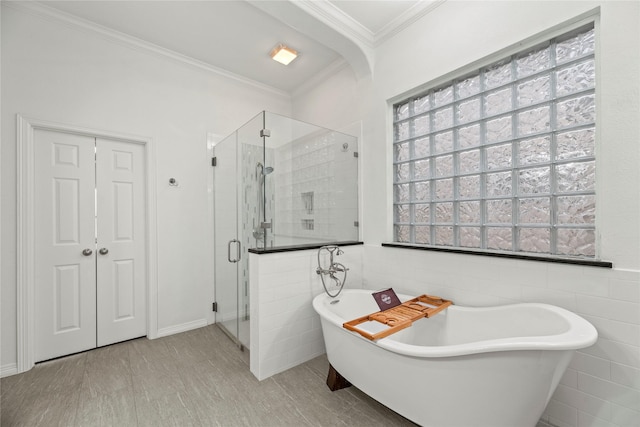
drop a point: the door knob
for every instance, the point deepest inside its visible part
(87, 252)
(103, 251)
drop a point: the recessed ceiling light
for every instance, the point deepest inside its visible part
(283, 54)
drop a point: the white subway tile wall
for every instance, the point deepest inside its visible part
(285, 329)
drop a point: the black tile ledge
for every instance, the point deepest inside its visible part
(305, 247)
(523, 257)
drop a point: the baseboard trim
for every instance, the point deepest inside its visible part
(184, 327)
(8, 370)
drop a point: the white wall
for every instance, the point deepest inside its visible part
(56, 72)
(602, 385)
(285, 329)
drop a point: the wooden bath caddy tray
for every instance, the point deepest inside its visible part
(398, 317)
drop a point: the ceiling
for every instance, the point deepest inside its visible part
(234, 37)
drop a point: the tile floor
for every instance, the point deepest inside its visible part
(197, 378)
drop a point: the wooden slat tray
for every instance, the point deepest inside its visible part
(399, 317)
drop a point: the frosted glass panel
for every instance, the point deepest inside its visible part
(421, 125)
(421, 147)
(576, 242)
(499, 184)
(534, 91)
(499, 211)
(422, 213)
(401, 172)
(444, 189)
(444, 236)
(421, 169)
(498, 75)
(444, 165)
(536, 120)
(402, 111)
(499, 238)
(533, 62)
(468, 87)
(470, 237)
(401, 152)
(402, 234)
(423, 234)
(402, 213)
(497, 102)
(444, 213)
(576, 209)
(468, 111)
(402, 131)
(535, 240)
(401, 192)
(444, 142)
(575, 77)
(499, 156)
(576, 111)
(420, 105)
(499, 129)
(443, 119)
(469, 212)
(575, 47)
(443, 96)
(576, 144)
(535, 150)
(469, 161)
(576, 176)
(469, 187)
(535, 181)
(469, 136)
(535, 211)
(421, 191)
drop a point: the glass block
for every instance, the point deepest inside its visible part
(576, 111)
(468, 110)
(534, 210)
(402, 234)
(576, 77)
(401, 152)
(499, 156)
(421, 191)
(401, 172)
(499, 129)
(537, 240)
(534, 91)
(576, 144)
(421, 169)
(401, 131)
(443, 119)
(420, 105)
(444, 213)
(533, 62)
(444, 165)
(499, 184)
(443, 96)
(534, 181)
(469, 237)
(402, 111)
(421, 147)
(498, 101)
(401, 213)
(422, 213)
(497, 75)
(469, 212)
(469, 187)
(577, 242)
(499, 238)
(535, 150)
(444, 236)
(576, 176)
(577, 209)
(421, 125)
(534, 121)
(575, 47)
(401, 193)
(469, 136)
(468, 87)
(423, 234)
(499, 211)
(444, 189)
(444, 142)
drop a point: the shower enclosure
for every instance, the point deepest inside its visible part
(277, 182)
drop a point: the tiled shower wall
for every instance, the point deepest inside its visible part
(602, 384)
(316, 189)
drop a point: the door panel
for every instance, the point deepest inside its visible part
(65, 279)
(121, 240)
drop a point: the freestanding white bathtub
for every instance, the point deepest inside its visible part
(494, 366)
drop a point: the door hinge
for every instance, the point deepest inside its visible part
(214, 307)
(355, 154)
(265, 132)
(214, 161)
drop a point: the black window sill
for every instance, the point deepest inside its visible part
(524, 257)
(305, 247)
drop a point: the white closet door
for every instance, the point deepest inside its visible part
(121, 251)
(65, 259)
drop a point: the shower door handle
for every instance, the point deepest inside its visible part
(238, 252)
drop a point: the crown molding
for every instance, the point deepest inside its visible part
(408, 17)
(47, 12)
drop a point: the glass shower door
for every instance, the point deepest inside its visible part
(228, 249)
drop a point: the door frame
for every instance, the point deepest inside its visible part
(25, 286)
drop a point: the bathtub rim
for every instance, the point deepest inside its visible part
(580, 333)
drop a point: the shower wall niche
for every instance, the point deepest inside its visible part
(277, 182)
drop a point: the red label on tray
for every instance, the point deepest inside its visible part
(386, 299)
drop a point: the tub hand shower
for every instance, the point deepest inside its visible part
(332, 270)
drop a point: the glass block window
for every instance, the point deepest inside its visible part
(503, 158)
